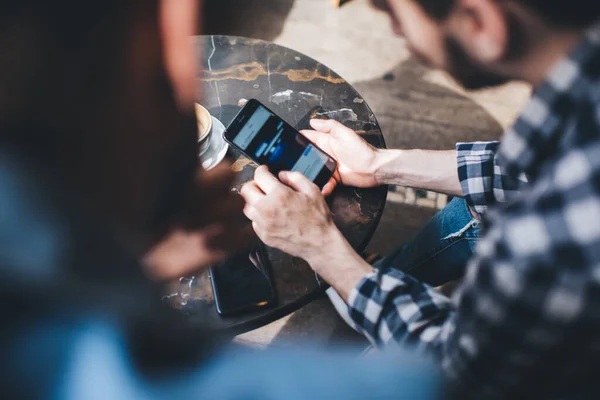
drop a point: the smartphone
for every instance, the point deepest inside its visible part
(243, 283)
(268, 140)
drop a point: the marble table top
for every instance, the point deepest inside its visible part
(297, 88)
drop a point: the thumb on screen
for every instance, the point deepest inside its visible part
(298, 182)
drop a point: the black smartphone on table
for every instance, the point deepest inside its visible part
(267, 139)
(244, 282)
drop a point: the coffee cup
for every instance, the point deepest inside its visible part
(205, 125)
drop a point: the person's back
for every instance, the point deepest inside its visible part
(82, 321)
(97, 166)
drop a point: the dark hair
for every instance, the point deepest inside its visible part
(572, 13)
(57, 55)
(67, 55)
(42, 40)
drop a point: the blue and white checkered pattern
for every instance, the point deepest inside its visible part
(526, 320)
(483, 180)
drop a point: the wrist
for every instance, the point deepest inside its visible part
(339, 264)
(419, 169)
(330, 242)
(387, 166)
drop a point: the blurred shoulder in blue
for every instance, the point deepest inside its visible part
(82, 322)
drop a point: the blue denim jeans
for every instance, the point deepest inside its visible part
(439, 252)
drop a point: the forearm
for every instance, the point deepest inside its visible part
(390, 306)
(420, 169)
(339, 264)
(384, 305)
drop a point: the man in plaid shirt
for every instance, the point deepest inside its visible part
(525, 320)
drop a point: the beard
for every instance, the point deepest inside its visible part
(381, 5)
(474, 76)
(467, 72)
(462, 68)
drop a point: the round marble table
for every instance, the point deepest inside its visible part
(296, 87)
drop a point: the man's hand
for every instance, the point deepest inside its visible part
(356, 158)
(292, 218)
(209, 228)
(296, 219)
(362, 165)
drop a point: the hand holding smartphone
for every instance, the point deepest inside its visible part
(266, 139)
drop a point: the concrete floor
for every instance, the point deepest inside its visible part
(415, 106)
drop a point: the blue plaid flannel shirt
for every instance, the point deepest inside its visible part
(526, 319)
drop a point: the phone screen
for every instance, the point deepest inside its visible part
(242, 283)
(269, 140)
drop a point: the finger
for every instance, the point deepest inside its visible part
(265, 180)
(337, 176)
(326, 125)
(220, 178)
(219, 247)
(252, 193)
(329, 187)
(299, 182)
(232, 239)
(220, 209)
(319, 138)
(257, 230)
(251, 213)
(206, 185)
(181, 253)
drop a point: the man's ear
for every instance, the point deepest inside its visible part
(481, 27)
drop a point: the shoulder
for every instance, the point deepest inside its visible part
(557, 219)
(31, 229)
(45, 236)
(315, 374)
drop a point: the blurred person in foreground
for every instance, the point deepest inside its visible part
(525, 321)
(98, 171)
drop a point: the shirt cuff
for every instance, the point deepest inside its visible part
(362, 315)
(476, 169)
(390, 305)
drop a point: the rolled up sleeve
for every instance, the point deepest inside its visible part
(483, 180)
(393, 307)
